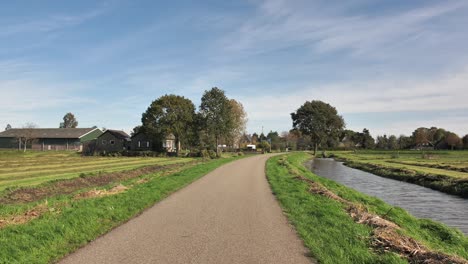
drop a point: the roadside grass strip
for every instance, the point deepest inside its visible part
(82, 216)
(341, 225)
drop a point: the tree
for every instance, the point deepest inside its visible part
(405, 142)
(382, 142)
(465, 142)
(254, 138)
(169, 114)
(392, 142)
(69, 121)
(216, 111)
(8, 127)
(27, 136)
(239, 119)
(274, 139)
(421, 136)
(318, 120)
(453, 140)
(136, 130)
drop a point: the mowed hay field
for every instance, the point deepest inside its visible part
(19, 169)
(445, 171)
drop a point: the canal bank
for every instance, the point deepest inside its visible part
(420, 201)
(341, 225)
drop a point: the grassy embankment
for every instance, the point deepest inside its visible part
(324, 214)
(78, 209)
(445, 171)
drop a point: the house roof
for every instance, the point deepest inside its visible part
(46, 132)
(168, 137)
(118, 134)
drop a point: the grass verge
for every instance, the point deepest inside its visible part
(332, 235)
(71, 223)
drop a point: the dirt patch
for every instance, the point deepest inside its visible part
(386, 235)
(100, 193)
(142, 181)
(69, 186)
(25, 217)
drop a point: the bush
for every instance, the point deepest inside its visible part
(212, 154)
(240, 153)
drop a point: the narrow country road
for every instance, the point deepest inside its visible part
(228, 216)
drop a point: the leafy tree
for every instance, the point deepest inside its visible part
(405, 142)
(382, 142)
(239, 120)
(69, 121)
(318, 120)
(136, 130)
(453, 140)
(392, 142)
(169, 114)
(216, 111)
(275, 140)
(8, 127)
(254, 138)
(364, 139)
(465, 142)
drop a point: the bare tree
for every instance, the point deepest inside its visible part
(27, 135)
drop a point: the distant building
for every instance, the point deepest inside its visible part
(169, 143)
(113, 141)
(48, 138)
(141, 142)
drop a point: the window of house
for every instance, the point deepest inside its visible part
(104, 141)
(112, 142)
(147, 144)
(139, 143)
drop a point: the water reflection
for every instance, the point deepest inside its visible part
(419, 201)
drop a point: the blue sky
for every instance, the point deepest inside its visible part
(389, 66)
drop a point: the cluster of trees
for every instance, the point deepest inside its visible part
(318, 124)
(219, 121)
(421, 138)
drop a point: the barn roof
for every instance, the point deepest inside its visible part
(46, 132)
(118, 134)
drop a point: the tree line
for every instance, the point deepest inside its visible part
(319, 124)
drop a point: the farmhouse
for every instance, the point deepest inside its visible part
(141, 142)
(113, 141)
(48, 138)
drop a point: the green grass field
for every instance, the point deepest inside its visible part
(18, 169)
(67, 201)
(446, 171)
(332, 235)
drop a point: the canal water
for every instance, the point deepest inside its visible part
(419, 201)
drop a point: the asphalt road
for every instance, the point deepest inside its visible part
(228, 216)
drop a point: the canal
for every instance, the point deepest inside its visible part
(419, 201)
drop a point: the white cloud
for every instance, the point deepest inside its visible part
(442, 93)
(48, 24)
(282, 24)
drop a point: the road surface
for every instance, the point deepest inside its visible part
(228, 216)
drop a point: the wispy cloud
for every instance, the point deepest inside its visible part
(439, 93)
(283, 24)
(48, 24)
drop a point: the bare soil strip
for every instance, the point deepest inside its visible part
(69, 186)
